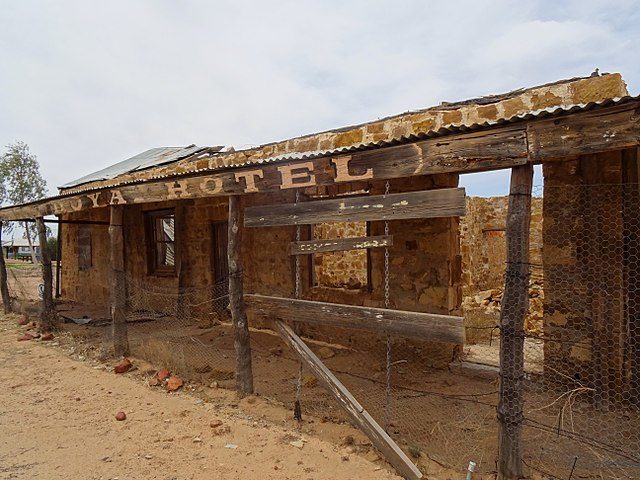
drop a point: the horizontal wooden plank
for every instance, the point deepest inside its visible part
(417, 325)
(468, 152)
(445, 202)
(379, 438)
(340, 244)
(589, 132)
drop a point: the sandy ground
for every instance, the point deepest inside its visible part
(57, 420)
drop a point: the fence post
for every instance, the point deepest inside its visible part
(47, 315)
(118, 285)
(514, 309)
(4, 286)
(241, 342)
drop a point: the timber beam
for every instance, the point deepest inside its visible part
(444, 202)
(360, 417)
(417, 325)
(532, 141)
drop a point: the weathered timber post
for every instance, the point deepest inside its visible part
(244, 374)
(515, 303)
(118, 284)
(47, 314)
(4, 287)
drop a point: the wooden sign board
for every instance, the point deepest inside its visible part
(308, 247)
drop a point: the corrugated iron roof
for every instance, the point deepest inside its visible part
(151, 158)
(213, 152)
(448, 130)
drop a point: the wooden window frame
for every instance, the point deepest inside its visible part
(152, 243)
(85, 247)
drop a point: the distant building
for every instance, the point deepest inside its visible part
(18, 248)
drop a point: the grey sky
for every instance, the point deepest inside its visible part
(87, 84)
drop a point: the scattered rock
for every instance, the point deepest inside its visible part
(163, 374)
(215, 423)
(221, 430)
(344, 458)
(232, 446)
(326, 352)
(297, 443)
(25, 337)
(372, 456)
(124, 366)
(120, 416)
(148, 456)
(197, 440)
(174, 383)
(47, 337)
(154, 382)
(24, 321)
(348, 440)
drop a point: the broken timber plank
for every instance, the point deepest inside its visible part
(340, 244)
(590, 132)
(445, 202)
(380, 439)
(417, 325)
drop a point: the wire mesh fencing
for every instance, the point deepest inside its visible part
(579, 354)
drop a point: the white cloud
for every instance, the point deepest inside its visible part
(87, 84)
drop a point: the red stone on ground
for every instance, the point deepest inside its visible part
(25, 337)
(120, 416)
(46, 337)
(154, 382)
(123, 366)
(163, 374)
(24, 321)
(174, 383)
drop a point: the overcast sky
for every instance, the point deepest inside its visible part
(87, 84)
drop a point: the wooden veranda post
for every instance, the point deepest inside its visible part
(4, 287)
(47, 314)
(118, 284)
(514, 308)
(244, 374)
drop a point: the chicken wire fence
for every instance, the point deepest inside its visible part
(579, 385)
(581, 381)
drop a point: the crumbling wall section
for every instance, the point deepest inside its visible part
(89, 284)
(483, 242)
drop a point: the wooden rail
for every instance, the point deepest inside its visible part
(417, 325)
(444, 202)
(380, 439)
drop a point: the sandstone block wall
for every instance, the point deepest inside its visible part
(346, 269)
(591, 232)
(424, 274)
(483, 243)
(86, 285)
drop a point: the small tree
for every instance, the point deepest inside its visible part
(52, 246)
(21, 183)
